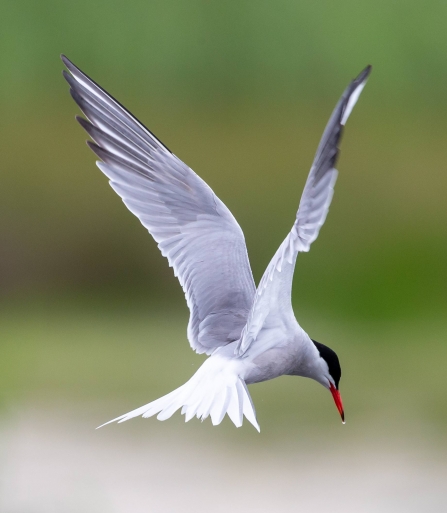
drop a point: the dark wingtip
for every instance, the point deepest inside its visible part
(65, 59)
(97, 150)
(69, 65)
(66, 75)
(364, 74)
(83, 122)
(93, 146)
(86, 125)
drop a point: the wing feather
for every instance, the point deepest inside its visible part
(272, 304)
(193, 228)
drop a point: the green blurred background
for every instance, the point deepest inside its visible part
(93, 322)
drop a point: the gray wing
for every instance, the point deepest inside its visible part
(272, 305)
(193, 228)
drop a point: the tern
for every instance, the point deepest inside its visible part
(250, 334)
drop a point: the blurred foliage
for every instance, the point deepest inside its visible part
(241, 92)
(237, 49)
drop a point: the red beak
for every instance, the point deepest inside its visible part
(338, 402)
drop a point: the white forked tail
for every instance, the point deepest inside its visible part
(207, 393)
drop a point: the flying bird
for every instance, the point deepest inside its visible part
(250, 334)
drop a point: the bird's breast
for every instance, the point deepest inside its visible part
(271, 363)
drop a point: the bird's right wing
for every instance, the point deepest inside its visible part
(194, 229)
(272, 303)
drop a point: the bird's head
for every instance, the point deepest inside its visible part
(330, 374)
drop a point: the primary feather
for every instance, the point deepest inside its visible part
(273, 296)
(193, 228)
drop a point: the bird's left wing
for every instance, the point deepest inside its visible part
(194, 229)
(272, 303)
